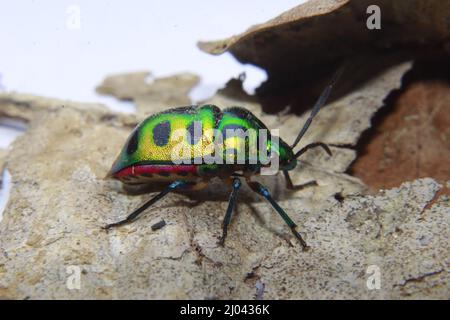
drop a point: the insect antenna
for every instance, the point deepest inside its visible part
(319, 104)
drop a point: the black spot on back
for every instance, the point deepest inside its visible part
(133, 143)
(194, 132)
(161, 133)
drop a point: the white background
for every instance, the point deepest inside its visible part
(44, 51)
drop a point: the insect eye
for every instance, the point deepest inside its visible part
(133, 143)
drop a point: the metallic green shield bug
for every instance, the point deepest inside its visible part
(185, 147)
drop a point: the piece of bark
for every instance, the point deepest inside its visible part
(410, 136)
(59, 202)
(149, 96)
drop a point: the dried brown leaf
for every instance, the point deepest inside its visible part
(321, 32)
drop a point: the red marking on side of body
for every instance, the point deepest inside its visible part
(155, 169)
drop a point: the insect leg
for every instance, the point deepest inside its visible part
(138, 211)
(236, 184)
(259, 188)
(313, 145)
(290, 185)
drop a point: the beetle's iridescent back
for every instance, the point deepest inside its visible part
(181, 139)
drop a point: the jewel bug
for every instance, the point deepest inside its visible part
(148, 154)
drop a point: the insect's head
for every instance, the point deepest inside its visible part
(286, 157)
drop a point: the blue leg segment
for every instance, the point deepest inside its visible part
(138, 211)
(260, 189)
(226, 221)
